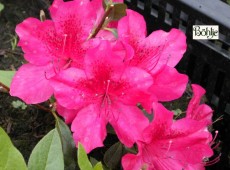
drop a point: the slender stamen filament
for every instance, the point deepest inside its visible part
(64, 43)
(107, 87)
(208, 163)
(106, 96)
(213, 141)
(170, 144)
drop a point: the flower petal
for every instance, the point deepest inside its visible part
(198, 92)
(31, 34)
(128, 122)
(31, 84)
(65, 90)
(103, 62)
(67, 114)
(197, 111)
(162, 121)
(128, 30)
(138, 90)
(132, 162)
(173, 43)
(89, 127)
(72, 17)
(169, 84)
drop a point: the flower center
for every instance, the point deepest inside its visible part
(106, 99)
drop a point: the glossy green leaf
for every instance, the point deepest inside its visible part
(10, 157)
(47, 154)
(113, 155)
(98, 166)
(119, 11)
(83, 161)
(6, 77)
(1, 6)
(68, 145)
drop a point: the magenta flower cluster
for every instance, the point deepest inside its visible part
(100, 80)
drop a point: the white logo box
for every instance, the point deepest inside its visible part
(205, 32)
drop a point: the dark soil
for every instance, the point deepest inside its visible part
(27, 127)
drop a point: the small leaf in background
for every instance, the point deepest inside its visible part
(83, 161)
(98, 166)
(93, 161)
(113, 155)
(119, 11)
(17, 104)
(10, 157)
(6, 77)
(177, 112)
(1, 6)
(47, 154)
(68, 145)
(14, 42)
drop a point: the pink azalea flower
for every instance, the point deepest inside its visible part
(197, 111)
(106, 90)
(158, 54)
(51, 46)
(167, 144)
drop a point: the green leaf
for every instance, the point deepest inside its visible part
(113, 155)
(19, 104)
(83, 161)
(47, 154)
(119, 11)
(98, 166)
(93, 161)
(10, 157)
(177, 112)
(6, 77)
(68, 145)
(1, 6)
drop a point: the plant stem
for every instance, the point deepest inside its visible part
(14, 52)
(36, 105)
(4, 87)
(104, 17)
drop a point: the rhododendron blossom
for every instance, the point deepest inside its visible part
(51, 46)
(106, 90)
(181, 144)
(158, 54)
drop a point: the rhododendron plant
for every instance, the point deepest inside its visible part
(97, 67)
